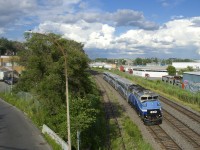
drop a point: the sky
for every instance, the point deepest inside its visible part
(110, 28)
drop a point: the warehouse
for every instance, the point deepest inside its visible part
(191, 81)
(153, 71)
(182, 65)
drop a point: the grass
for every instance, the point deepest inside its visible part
(52, 142)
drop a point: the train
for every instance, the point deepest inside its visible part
(145, 102)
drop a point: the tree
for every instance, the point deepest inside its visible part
(8, 47)
(188, 69)
(171, 70)
(44, 77)
(138, 61)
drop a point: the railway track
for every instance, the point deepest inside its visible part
(191, 136)
(177, 107)
(160, 135)
(163, 138)
(110, 112)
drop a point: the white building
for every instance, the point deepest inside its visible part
(181, 65)
(154, 72)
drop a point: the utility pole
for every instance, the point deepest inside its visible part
(78, 139)
(66, 81)
(67, 97)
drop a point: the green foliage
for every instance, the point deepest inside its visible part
(53, 144)
(44, 77)
(171, 70)
(188, 69)
(138, 61)
(9, 47)
(133, 136)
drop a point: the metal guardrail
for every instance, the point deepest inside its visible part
(53, 135)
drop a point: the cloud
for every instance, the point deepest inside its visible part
(101, 31)
(173, 36)
(170, 3)
(122, 17)
(11, 11)
(1, 31)
(198, 51)
(20, 13)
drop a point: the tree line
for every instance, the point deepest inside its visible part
(142, 61)
(8, 47)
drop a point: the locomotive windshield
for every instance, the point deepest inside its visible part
(144, 98)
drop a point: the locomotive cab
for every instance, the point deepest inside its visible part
(153, 113)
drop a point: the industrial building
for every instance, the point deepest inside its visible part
(148, 71)
(102, 65)
(191, 81)
(182, 65)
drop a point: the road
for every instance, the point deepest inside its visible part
(17, 132)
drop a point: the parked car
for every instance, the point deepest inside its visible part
(11, 81)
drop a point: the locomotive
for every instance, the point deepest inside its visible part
(145, 102)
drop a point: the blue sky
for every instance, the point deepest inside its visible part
(111, 28)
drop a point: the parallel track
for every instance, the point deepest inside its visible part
(177, 107)
(163, 138)
(191, 136)
(110, 112)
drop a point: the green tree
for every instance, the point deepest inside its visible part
(138, 61)
(8, 47)
(44, 77)
(171, 70)
(188, 69)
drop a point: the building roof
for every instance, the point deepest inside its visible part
(193, 73)
(156, 68)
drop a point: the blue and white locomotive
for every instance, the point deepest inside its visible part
(144, 101)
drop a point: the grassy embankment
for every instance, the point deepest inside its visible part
(175, 93)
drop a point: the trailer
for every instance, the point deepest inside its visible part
(174, 80)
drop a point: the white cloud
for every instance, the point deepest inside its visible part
(1, 31)
(198, 51)
(10, 10)
(100, 30)
(175, 34)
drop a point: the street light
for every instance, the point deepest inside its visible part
(67, 97)
(66, 81)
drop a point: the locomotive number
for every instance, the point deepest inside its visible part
(153, 112)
